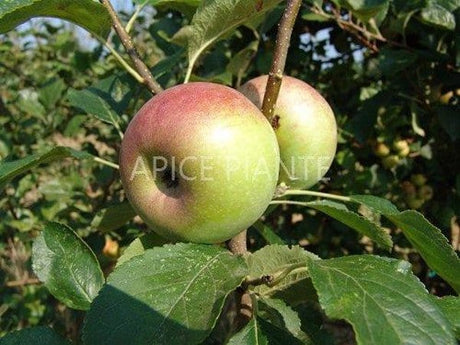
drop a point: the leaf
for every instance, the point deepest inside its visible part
(187, 7)
(249, 335)
(240, 62)
(261, 332)
(106, 99)
(355, 221)
(89, 14)
(449, 120)
(67, 266)
(438, 16)
(366, 9)
(216, 18)
(273, 259)
(11, 169)
(113, 217)
(170, 292)
(432, 245)
(51, 92)
(381, 298)
(376, 204)
(392, 61)
(282, 316)
(450, 306)
(267, 233)
(140, 245)
(33, 336)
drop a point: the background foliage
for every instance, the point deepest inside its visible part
(389, 69)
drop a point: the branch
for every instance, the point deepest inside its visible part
(279, 57)
(142, 69)
(237, 244)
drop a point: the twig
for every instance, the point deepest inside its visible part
(283, 38)
(16, 283)
(140, 66)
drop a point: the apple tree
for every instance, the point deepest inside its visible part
(230, 172)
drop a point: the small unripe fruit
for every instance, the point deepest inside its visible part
(418, 179)
(381, 150)
(390, 162)
(401, 147)
(111, 248)
(415, 203)
(425, 192)
(409, 189)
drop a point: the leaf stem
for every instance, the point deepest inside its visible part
(141, 68)
(133, 18)
(318, 194)
(275, 75)
(123, 62)
(106, 162)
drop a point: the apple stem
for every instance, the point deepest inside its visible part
(147, 77)
(275, 75)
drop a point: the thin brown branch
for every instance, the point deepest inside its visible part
(17, 283)
(141, 68)
(279, 57)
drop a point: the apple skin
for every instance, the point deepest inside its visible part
(305, 128)
(229, 156)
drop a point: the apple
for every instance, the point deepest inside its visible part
(305, 127)
(380, 149)
(199, 163)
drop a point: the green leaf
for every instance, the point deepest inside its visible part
(215, 19)
(11, 169)
(89, 14)
(170, 292)
(267, 233)
(67, 266)
(260, 332)
(355, 221)
(366, 9)
(438, 16)
(34, 336)
(432, 245)
(105, 99)
(273, 259)
(240, 62)
(282, 316)
(381, 298)
(187, 7)
(140, 245)
(249, 335)
(450, 306)
(113, 217)
(376, 204)
(392, 61)
(449, 120)
(51, 92)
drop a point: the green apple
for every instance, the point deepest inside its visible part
(380, 149)
(305, 127)
(199, 162)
